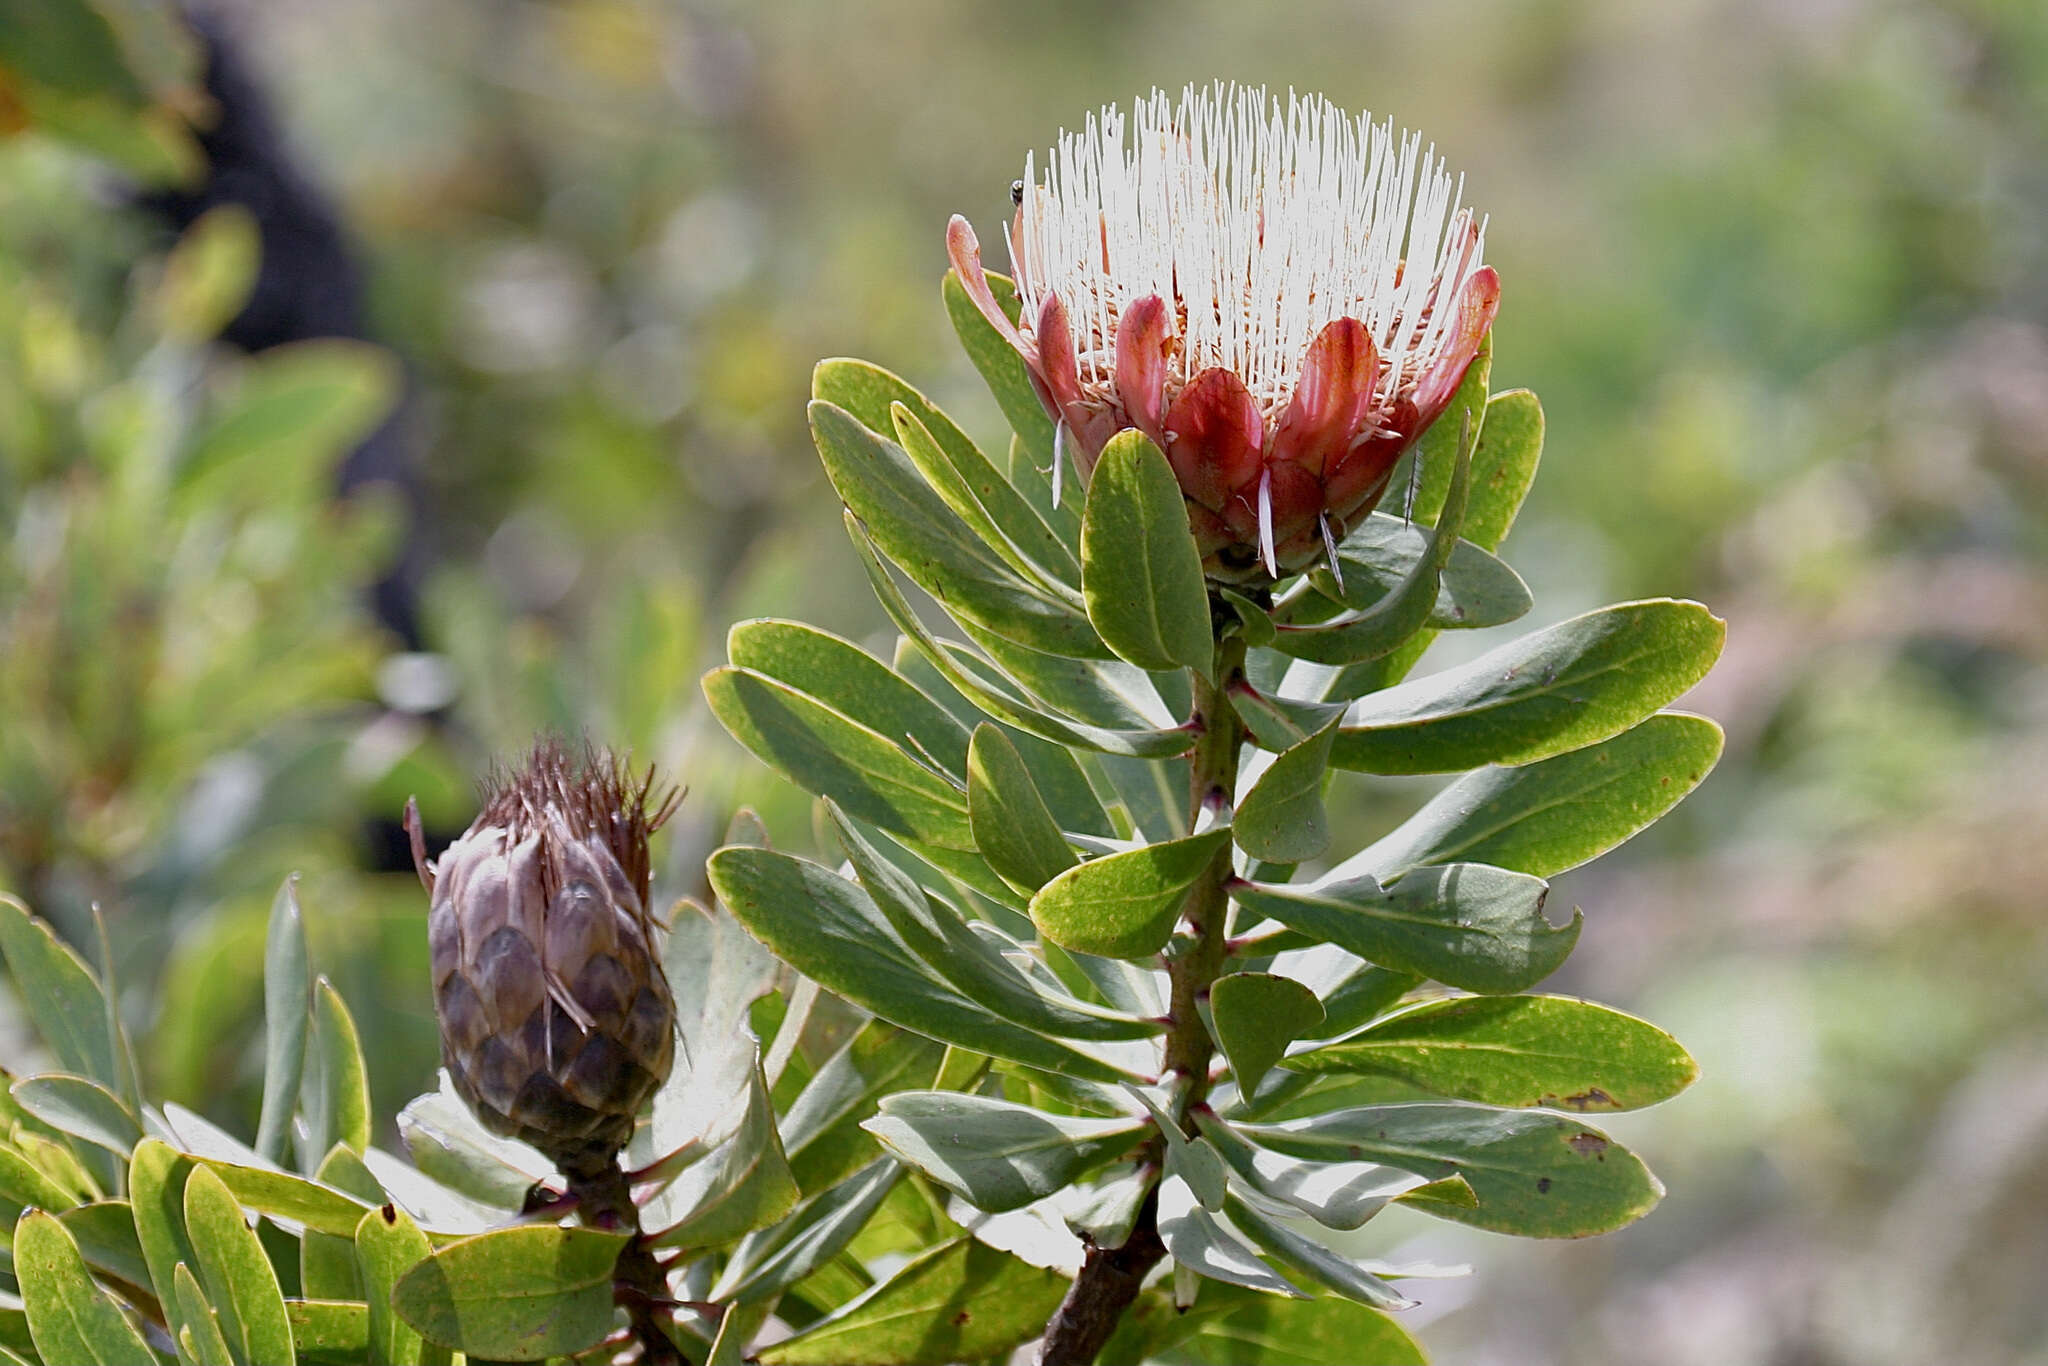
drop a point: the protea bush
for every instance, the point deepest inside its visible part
(1195, 1048)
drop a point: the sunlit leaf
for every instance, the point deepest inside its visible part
(961, 1301)
(1125, 905)
(515, 1294)
(1552, 1051)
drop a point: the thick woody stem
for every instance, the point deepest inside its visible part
(1110, 1278)
(605, 1200)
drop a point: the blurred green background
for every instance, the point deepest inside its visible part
(1778, 269)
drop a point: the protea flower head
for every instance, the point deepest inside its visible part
(1282, 296)
(556, 1020)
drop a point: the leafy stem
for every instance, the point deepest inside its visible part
(1110, 1278)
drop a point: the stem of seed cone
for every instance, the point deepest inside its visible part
(639, 1283)
(1110, 1278)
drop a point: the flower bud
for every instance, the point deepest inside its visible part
(557, 1024)
(1280, 295)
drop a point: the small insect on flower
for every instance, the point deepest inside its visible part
(1282, 296)
(556, 1021)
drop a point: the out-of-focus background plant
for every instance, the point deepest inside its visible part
(1779, 271)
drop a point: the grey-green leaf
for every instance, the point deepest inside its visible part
(1475, 589)
(994, 1154)
(1196, 1241)
(768, 1262)
(1313, 1260)
(1125, 905)
(287, 1013)
(830, 930)
(61, 993)
(79, 1107)
(338, 1085)
(1553, 1051)
(1555, 815)
(1465, 924)
(1574, 684)
(1140, 571)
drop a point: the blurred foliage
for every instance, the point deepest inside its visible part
(1779, 272)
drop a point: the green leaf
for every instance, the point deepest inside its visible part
(827, 753)
(239, 1280)
(200, 1334)
(1531, 1173)
(1474, 590)
(515, 1294)
(338, 1104)
(330, 1332)
(1282, 820)
(1553, 1051)
(1575, 684)
(1197, 1242)
(821, 1132)
(388, 1244)
(829, 930)
(299, 408)
(287, 1012)
(994, 1154)
(1125, 905)
(853, 683)
(79, 1107)
(1140, 571)
(1557, 814)
(952, 464)
(914, 527)
(209, 274)
(1313, 1261)
(1256, 1015)
(61, 994)
(1465, 924)
(961, 1301)
(1012, 827)
(1276, 1332)
(999, 363)
(995, 696)
(70, 1318)
(770, 1261)
(744, 1185)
